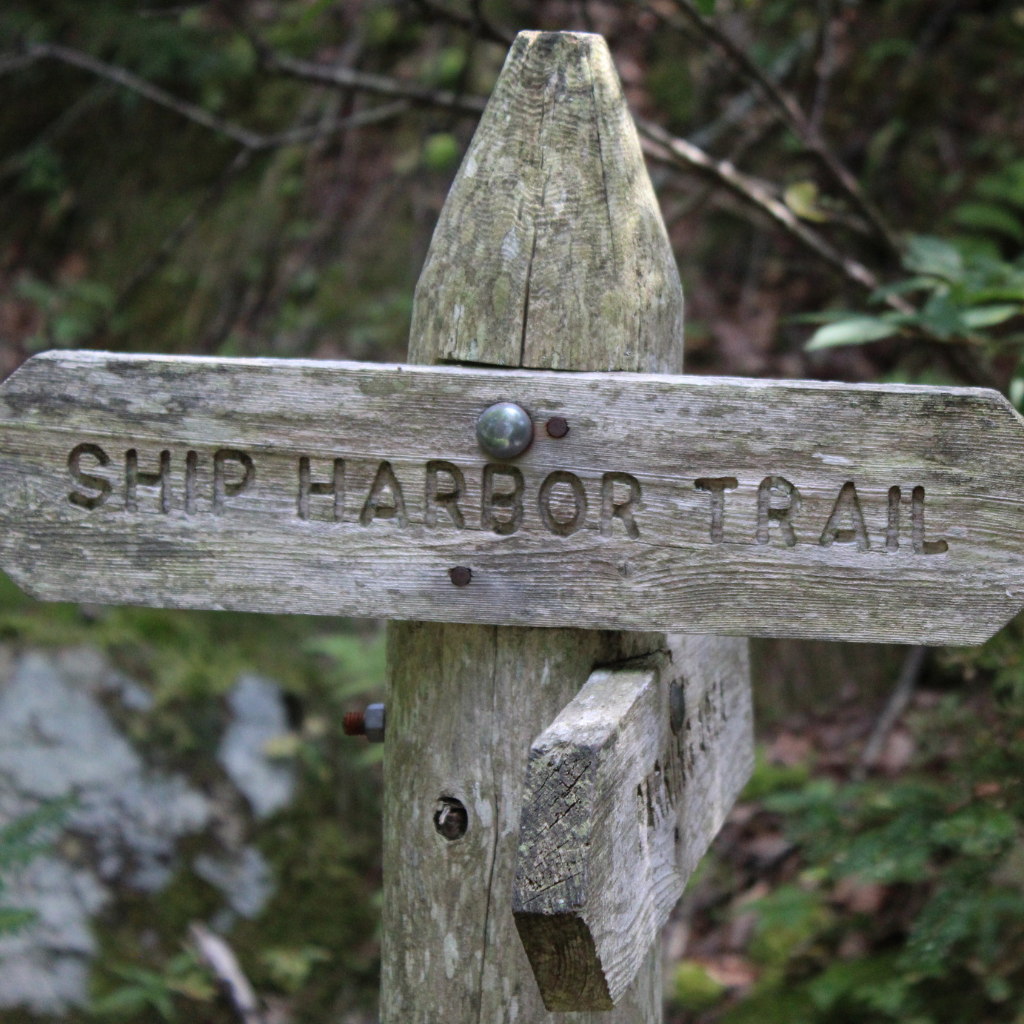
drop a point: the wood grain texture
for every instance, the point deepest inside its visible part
(551, 251)
(465, 702)
(624, 793)
(771, 508)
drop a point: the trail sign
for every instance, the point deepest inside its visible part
(705, 505)
(551, 785)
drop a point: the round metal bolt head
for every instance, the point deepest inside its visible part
(375, 716)
(460, 575)
(557, 427)
(504, 430)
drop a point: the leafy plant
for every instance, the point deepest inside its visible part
(962, 293)
(940, 851)
(185, 976)
(20, 840)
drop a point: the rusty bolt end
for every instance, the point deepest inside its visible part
(460, 575)
(557, 427)
(354, 724)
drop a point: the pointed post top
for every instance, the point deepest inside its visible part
(551, 251)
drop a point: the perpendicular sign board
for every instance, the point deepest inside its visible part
(693, 504)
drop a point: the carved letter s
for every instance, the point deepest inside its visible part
(99, 483)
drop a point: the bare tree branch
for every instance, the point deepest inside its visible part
(128, 80)
(740, 106)
(222, 961)
(334, 74)
(71, 116)
(661, 145)
(238, 133)
(476, 22)
(216, 190)
(898, 701)
(787, 107)
(169, 245)
(825, 67)
(11, 62)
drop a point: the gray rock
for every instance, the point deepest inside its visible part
(245, 880)
(44, 967)
(57, 741)
(257, 716)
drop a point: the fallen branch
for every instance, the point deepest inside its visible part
(336, 74)
(221, 959)
(245, 137)
(891, 713)
(805, 130)
(661, 145)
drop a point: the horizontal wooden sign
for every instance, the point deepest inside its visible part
(695, 504)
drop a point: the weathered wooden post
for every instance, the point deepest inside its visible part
(550, 253)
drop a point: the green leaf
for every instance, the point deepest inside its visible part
(693, 988)
(989, 217)
(440, 151)
(706, 7)
(1006, 185)
(929, 255)
(855, 331)
(989, 316)
(802, 199)
(904, 287)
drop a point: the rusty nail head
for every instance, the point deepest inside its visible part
(461, 575)
(557, 427)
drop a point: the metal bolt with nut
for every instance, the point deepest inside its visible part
(368, 723)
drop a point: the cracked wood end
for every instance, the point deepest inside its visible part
(624, 793)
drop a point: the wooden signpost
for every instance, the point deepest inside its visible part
(773, 508)
(558, 753)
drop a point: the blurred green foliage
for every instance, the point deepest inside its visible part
(22, 839)
(940, 852)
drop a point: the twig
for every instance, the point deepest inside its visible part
(128, 80)
(335, 74)
(739, 106)
(226, 968)
(169, 245)
(11, 62)
(811, 139)
(894, 708)
(241, 161)
(826, 65)
(678, 151)
(245, 136)
(53, 131)
(476, 22)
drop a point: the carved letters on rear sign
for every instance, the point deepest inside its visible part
(214, 483)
